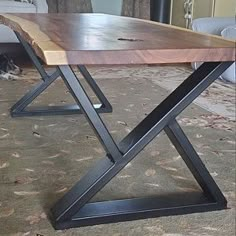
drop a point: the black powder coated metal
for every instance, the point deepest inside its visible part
(20, 108)
(74, 209)
(82, 99)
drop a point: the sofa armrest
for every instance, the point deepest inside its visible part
(224, 26)
(41, 6)
(212, 25)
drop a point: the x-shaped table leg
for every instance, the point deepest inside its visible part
(20, 108)
(73, 209)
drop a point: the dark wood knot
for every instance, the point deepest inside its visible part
(130, 40)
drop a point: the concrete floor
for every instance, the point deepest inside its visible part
(42, 157)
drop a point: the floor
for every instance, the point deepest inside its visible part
(42, 157)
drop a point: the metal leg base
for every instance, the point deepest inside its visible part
(139, 208)
(57, 110)
(20, 108)
(75, 210)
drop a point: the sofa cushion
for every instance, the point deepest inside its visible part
(229, 32)
(7, 35)
(212, 25)
(222, 26)
(230, 74)
(16, 7)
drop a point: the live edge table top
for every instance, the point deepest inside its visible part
(99, 39)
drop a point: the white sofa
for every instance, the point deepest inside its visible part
(11, 6)
(222, 26)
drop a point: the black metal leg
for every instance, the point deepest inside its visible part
(105, 103)
(20, 108)
(73, 210)
(86, 106)
(194, 163)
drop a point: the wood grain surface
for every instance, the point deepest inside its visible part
(98, 39)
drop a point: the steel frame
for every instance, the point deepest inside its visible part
(74, 209)
(20, 108)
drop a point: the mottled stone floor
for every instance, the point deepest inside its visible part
(42, 157)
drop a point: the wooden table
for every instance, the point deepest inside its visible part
(92, 39)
